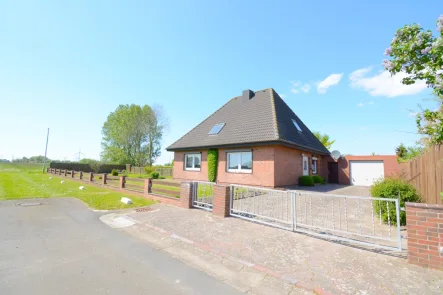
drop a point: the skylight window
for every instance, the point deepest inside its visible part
(296, 125)
(216, 129)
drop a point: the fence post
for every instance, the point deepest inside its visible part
(104, 178)
(186, 195)
(72, 173)
(221, 203)
(91, 176)
(65, 172)
(122, 182)
(59, 171)
(148, 186)
(80, 175)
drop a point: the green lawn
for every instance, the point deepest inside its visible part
(18, 181)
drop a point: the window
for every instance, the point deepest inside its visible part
(240, 162)
(216, 129)
(314, 165)
(296, 125)
(192, 162)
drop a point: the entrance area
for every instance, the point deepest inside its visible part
(332, 172)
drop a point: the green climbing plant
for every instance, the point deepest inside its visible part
(212, 164)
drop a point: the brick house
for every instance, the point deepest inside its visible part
(260, 142)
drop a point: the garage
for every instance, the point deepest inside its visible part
(365, 173)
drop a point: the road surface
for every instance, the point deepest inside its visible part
(59, 246)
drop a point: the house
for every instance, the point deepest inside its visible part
(260, 142)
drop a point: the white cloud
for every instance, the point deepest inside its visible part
(330, 80)
(362, 104)
(382, 84)
(298, 87)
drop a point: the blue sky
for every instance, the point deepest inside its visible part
(67, 66)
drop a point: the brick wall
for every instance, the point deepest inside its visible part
(180, 173)
(425, 234)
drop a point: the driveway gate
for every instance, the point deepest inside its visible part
(364, 220)
(202, 194)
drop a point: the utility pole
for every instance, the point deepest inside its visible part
(46, 150)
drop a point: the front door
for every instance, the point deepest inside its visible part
(333, 172)
(305, 165)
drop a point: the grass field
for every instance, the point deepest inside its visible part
(19, 181)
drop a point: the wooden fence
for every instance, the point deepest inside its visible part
(164, 188)
(162, 171)
(426, 174)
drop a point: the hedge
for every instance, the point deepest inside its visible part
(212, 164)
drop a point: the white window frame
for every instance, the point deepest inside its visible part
(314, 166)
(239, 169)
(193, 164)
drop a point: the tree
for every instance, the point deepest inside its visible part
(157, 126)
(132, 135)
(405, 154)
(401, 151)
(324, 139)
(420, 55)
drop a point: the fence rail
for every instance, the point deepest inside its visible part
(426, 174)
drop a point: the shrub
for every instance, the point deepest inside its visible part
(114, 172)
(306, 180)
(317, 179)
(154, 175)
(162, 177)
(393, 188)
(148, 169)
(212, 164)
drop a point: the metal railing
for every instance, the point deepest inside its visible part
(364, 220)
(268, 206)
(202, 194)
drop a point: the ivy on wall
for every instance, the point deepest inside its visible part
(212, 164)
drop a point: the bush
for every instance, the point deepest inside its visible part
(162, 177)
(318, 179)
(306, 180)
(148, 169)
(154, 175)
(114, 172)
(393, 188)
(212, 164)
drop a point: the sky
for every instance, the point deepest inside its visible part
(65, 65)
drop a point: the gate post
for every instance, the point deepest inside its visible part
(91, 176)
(65, 172)
(104, 178)
(80, 175)
(221, 204)
(72, 173)
(293, 196)
(122, 182)
(186, 195)
(148, 186)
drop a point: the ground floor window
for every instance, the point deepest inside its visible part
(193, 161)
(314, 165)
(240, 162)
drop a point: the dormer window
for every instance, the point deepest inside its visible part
(216, 129)
(296, 125)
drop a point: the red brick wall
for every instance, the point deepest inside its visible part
(181, 174)
(425, 234)
(262, 168)
(391, 167)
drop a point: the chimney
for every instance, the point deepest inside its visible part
(247, 94)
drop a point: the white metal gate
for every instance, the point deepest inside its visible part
(364, 220)
(202, 194)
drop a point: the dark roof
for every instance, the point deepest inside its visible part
(263, 119)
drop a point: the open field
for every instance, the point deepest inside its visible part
(19, 181)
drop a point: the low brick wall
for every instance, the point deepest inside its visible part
(425, 234)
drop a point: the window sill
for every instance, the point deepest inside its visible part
(240, 171)
(192, 169)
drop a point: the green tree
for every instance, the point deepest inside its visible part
(419, 54)
(132, 135)
(401, 151)
(324, 139)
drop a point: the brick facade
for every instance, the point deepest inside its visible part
(273, 166)
(425, 234)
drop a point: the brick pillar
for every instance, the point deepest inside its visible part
(425, 234)
(91, 177)
(72, 173)
(104, 178)
(80, 175)
(220, 203)
(186, 195)
(65, 172)
(148, 186)
(122, 182)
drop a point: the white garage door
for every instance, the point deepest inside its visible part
(366, 172)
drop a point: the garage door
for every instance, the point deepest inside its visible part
(366, 172)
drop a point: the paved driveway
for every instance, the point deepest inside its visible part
(61, 247)
(336, 189)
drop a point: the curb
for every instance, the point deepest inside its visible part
(286, 278)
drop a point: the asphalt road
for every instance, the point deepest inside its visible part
(61, 247)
